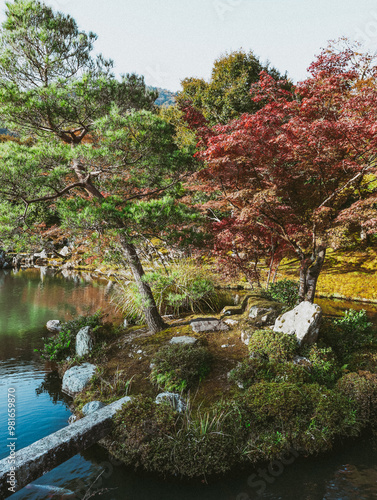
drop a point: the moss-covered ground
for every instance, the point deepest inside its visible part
(266, 407)
(347, 275)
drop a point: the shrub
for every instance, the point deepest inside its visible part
(348, 334)
(325, 369)
(307, 417)
(285, 291)
(61, 345)
(196, 444)
(268, 420)
(179, 367)
(274, 346)
(361, 389)
(187, 287)
(253, 370)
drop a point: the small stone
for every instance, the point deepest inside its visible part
(173, 399)
(92, 406)
(84, 341)
(184, 339)
(72, 419)
(246, 336)
(231, 322)
(53, 325)
(77, 378)
(64, 251)
(208, 325)
(139, 351)
(300, 360)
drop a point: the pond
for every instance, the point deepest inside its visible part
(28, 298)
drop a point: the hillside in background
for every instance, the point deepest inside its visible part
(165, 97)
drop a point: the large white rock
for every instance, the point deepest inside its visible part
(84, 341)
(303, 321)
(77, 378)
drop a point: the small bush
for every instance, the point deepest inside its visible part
(325, 369)
(285, 291)
(361, 389)
(355, 328)
(180, 367)
(268, 420)
(253, 370)
(274, 346)
(196, 444)
(61, 345)
(307, 417)
(348, 334)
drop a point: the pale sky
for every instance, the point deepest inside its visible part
(168, 40)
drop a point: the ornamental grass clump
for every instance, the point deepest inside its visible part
(182, 287)
(180, 367)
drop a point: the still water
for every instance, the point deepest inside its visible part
(28, 299)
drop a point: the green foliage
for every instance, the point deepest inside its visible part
(285, 291)
(361, 389)
(227, 95)
(355, 328)
(268, 420)
(180, 367)
(61, 345)
(348, 334)
(194, 445)
(325, 369)
(273, 346)
(186, 287)
(253, 370)
(286, 415)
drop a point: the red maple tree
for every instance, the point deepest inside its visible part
(299, 173)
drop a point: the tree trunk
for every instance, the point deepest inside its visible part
(152, 316)
(154, 321)
(309, 273)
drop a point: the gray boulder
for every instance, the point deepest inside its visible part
(84, 341)
(208, 325)
(263, 315)
(77, 378)
(173, 399)
(183, 340)
(92, 407)
(54, 326)
(303, 321)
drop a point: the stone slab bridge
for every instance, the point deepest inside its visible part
(28, 464)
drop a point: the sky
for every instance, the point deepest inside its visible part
(169, 40)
